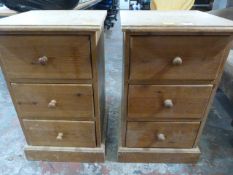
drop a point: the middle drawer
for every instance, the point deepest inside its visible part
(54, 101)
(167, 101)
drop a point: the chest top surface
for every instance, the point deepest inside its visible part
(175, 21)
(83, 20)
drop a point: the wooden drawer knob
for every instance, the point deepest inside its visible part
(177, 61)
(59, 136)
(161, 136)
(52, 104)
(168, 103)
(43, 60)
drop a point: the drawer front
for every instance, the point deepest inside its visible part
(176, 57)
(46, 57)
(167, 101)
(54, 100)
(161, 134)
(60, 133)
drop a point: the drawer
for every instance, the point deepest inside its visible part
(161, 134)
(176, 57)
(167, 101)
(54, 100)
(60, 133)
(46, 57)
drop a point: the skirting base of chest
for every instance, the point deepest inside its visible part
(65, 154)
(158, 155)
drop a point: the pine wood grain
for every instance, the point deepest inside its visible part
(100, 63)
(68, 57)
(45, 132)
(55, 20)
(125, 76)
(177, 134)
(65, 154)
(151, 57)
(147, 101)
(174, 21)
(158, 155)
(152, 39)
(72, 101)
(73, 45)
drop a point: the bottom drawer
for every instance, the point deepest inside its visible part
(60, 133)
(161, 134)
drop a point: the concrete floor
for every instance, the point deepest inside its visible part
(216, 141)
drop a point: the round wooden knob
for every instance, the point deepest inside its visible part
(168, 103)
(52, 104)
(177, 61)
(59, 136)
(161, 136)
(43, 60)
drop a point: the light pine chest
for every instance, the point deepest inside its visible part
(53, 63)
(172, 65)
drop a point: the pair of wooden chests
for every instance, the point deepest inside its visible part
(53, 63)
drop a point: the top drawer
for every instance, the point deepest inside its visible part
(176, 57)
(46, 57)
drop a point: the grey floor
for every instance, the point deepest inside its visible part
(216, 141)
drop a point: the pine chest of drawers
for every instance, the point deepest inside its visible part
(172, 65)
(53, 63)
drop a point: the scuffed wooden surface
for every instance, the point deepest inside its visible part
(173, 21)
(84, 20)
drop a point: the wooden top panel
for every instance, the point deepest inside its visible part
(173, 21)
(58, 20)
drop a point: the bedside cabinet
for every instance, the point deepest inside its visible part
(172, 65)
(53, 63)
